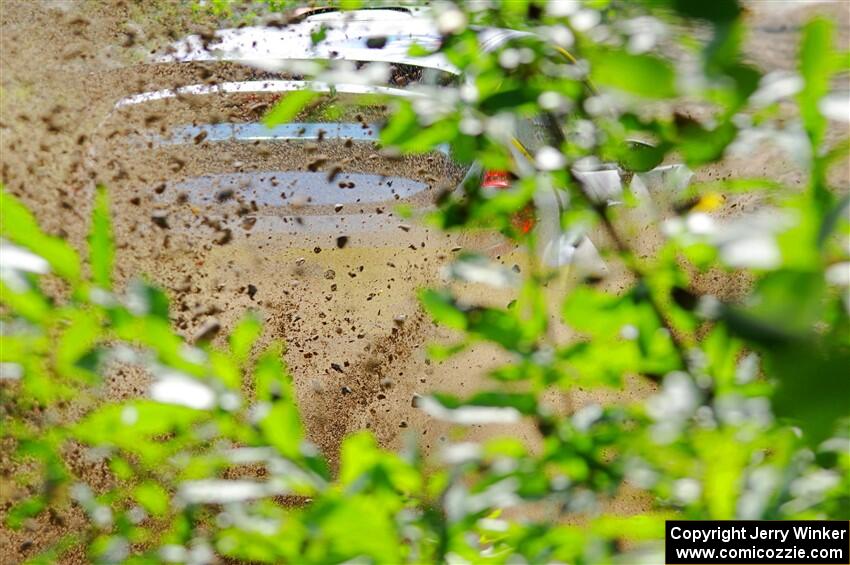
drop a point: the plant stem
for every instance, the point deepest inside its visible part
(623, 249)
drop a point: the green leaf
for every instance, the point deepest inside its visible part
(101, 244)
(29, 303)
(148, 299)
(152, 497)
(318, 35)
(724, 50)
(359, 527)
(598, 313)
(226, 369)
(642, 75)
(441, 306)
(504, 327)
(122, 468)
(716, 11)
(638, 157)
(597, 363)
(816, 68)
(724, 461)
(800, 243)
(360, 455)
(625, 335)
(524, 403)
(746, 81)
(25, 509)
(722, 353)
(508, 100)
(833, 219)
(483, 408)
(78, 340)
(784, 303)
(272, 381)
(288, 107)
(262, 546)
(281, 427)
(732, 186)
(439, 352)
(497, 326)
(813, 387)
(18, 225)
(416, 50)
(402, 125)
(526, 369)
(243, 336)
(646, 526)
(425, 139)
(148, 429)
(155, 333)
(701, 145)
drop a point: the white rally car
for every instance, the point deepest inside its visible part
(253, 66)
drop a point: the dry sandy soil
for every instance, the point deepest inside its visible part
(355, 336)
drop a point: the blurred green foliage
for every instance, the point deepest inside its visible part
(748, 414)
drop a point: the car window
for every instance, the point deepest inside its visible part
(172, 76)
(202, 146)
(533, 134)
(213, 114)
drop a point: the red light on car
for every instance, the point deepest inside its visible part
(522, 221)
(496, 179)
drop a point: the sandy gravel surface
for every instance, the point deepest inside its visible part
(356, 338)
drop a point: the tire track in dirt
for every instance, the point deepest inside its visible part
(353, 390)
